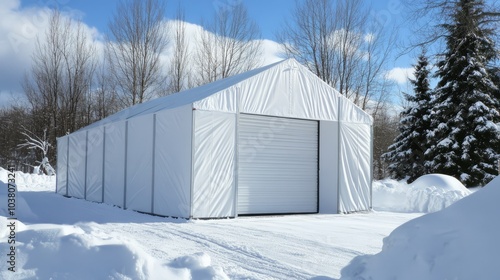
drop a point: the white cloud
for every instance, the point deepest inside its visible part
(18, 30)
(400, 75)
(20, 26)
(369, 37)
(271, 52)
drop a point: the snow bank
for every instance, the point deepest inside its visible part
(81, 250)
(68, 252)
(45, 251)
(22, 207)
(429, 193)
(199, 266)
(459, 242)
(27, 181)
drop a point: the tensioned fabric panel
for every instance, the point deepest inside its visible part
(62, 165)
(355, 169)
(95, 144)
(286, 89)
(139, 172)
(114, 163)
(172, 181)
(278, 165)
(328, 167)
(76, 164)
(213, 164)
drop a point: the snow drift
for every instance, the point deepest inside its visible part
(459, 242)
(45, 250)
(31, 182)
(429, 193)
(79, 252)
(68, 252)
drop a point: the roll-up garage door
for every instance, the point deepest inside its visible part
(278, 165)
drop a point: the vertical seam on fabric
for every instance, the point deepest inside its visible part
(67, 166)
(125, 167)
(153, 166)
(86, 162)
(339, 153)
(103, 162)
(318, 165)
(236, 151)
(192, 163)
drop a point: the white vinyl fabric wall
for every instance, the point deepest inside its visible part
(114, 163)
(139, 172)
(213, 164)
(142, 164)
(172, 165)
(95, 157)
(77, 164)
(62, 166)
(355, 167)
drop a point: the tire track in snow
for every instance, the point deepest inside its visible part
(233, 258)
(310, 256)
(247, 259)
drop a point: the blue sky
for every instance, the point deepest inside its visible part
(269, 14)
(19, 21)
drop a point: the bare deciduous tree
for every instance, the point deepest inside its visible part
(230, 46)
(103, 99)
(308, 37)
(178, 71)
(371, 83)
(42, 144)
(11, 119)
(136, 40)
(60, 78)
(336, 40)
(79, 66)
(348, 41)
(385, 128)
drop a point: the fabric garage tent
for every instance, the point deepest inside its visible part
(273, 140)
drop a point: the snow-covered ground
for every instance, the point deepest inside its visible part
(429, 193)
(459, 242)
(67, 238)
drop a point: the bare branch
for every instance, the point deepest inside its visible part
(229, 46)
(136, 40)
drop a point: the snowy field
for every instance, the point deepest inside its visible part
(67, 238)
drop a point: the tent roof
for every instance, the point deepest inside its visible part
(190, 96)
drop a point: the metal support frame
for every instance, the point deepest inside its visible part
(339, 153)
(103, 162)
(153, 166)
(125, 173)
(86, 163)
(193, 122)
(67, 166)
(236, 151)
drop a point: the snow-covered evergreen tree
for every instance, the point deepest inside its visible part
(464, 141)
(406, 155)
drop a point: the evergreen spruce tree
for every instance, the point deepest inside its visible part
(406, 155)
(464, 141)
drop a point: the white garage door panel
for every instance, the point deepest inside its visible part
(278, 165)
